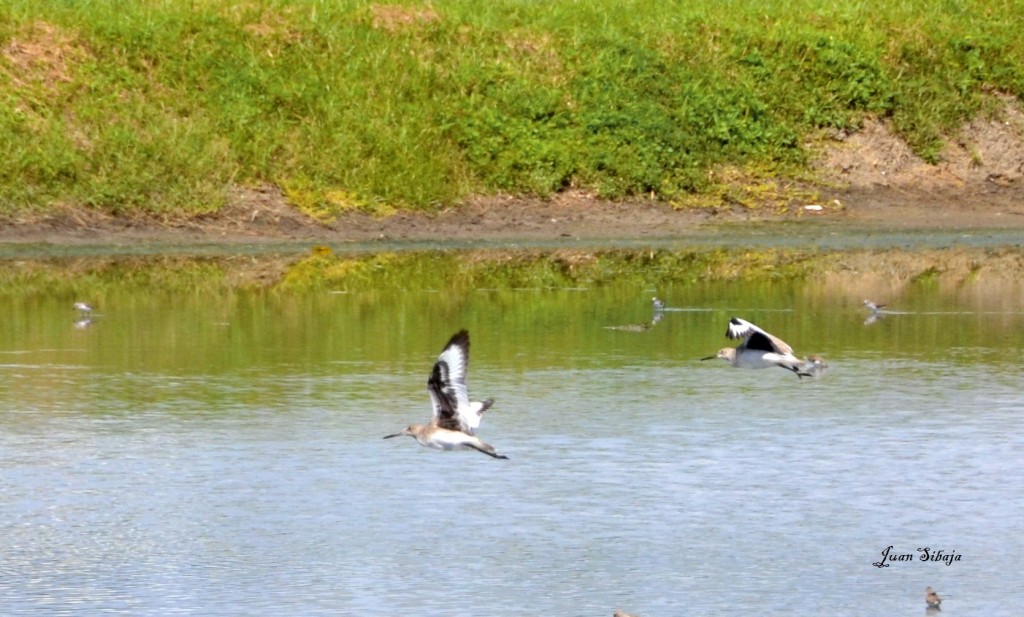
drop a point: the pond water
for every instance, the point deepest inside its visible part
(222, 454)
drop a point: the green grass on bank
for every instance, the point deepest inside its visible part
(159, 105)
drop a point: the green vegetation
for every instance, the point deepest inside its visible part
(159, 106)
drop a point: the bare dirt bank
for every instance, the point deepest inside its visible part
(263, 215)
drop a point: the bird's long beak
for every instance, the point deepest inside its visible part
(709, 358)
(394, 435)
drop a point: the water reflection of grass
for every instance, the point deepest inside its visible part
(215, 314)
(323, 269)
(574, 268)
(545, 269)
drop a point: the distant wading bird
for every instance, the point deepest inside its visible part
(83, 308)
(876, 312)
(84, 315)
(456, 418)
(758, 349)
(932, 599)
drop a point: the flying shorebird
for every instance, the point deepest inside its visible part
(932, 599)
(456, 418)
(83, 308)
(758, 349)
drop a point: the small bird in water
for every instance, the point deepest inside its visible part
(631, 327)
(932, 599)
(84, 315)
(658, 315)
(456, 418)
(758, 349)
(622, 614)
(876, 312)
(814, 366)
(83, 308)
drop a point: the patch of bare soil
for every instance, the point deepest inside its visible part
(978, 183)
(867, 179)
(40, 56)
(393, 17)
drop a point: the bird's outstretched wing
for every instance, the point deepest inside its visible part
(441, 398)
(447, 386)
(756, 338)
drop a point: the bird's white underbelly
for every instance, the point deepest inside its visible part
(447, 440)
(764, 360)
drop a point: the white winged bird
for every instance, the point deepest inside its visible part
(758, 349)
(456, 418)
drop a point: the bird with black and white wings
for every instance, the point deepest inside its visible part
(756, 338)
(758, 349)
(455, 418)
(447, 386)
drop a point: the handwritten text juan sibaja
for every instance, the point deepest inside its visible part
(926, 554)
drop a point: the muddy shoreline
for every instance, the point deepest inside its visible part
(261, 215)
(861, 242)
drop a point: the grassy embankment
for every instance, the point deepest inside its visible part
(159, 106)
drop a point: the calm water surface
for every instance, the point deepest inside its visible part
(223, 455)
